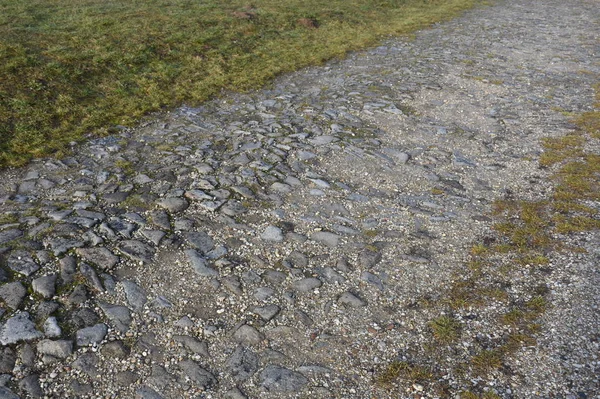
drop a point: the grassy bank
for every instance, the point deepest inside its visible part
(68, 69)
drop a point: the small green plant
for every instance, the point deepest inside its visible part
(404, 370)
(445, 329)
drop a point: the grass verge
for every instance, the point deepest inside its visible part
(526, 234)
(67, 70)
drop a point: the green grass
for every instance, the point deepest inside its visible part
(69, 69)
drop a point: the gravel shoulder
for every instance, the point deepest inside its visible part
(293, 242)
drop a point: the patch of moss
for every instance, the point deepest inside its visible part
(445, 329)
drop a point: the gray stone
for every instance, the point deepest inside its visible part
(51, 328)
(351, 300)
(68, 268)
(137, 251)
(235, 393)
(197, 195)
(145, 392)
(13, 293)
(79, 388)
(398, 156)
(18, 328)
(126, 378)
(307, 284)
(199, 264)
(200, 240)
(60, 349)
(91, 335)
(280, 379)
(274, 276)
(60, 245)
(368, 258)
(116, 349)
(26, 355)
(87, 363)
(45, 285)
(233, 284)
(6, 393)
(22, 262)
(9, 235)
(372, 279)
(115, 198)
(326, 238)
(31, 385)
(272, 233)
(267, 313)
(248, 335)
(173, 204)
(200, 376)
(7, 360)
(331, 276)
(99, 256)
(242, 364)
(154, 236)
(119, 315)
(91, 276)
(136, 297)
(161, 219)
(264, 293)
(193, 344)
(77, 296)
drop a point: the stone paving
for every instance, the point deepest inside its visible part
(274, 244)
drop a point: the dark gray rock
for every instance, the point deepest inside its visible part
(145, 392)
(200, 240)
(91, 335)
(280, 379)
(31, 385)
(126, 378)
(99, 256)
(154, 236)
(233, 284)
(119, 315)
(6, 393)
(9, 235)
(192, 344)
(372, 279)
(235, 393)
(7, 360)
(68, 268)
(115, 349)
(307, 284)
(248, 335)
(45, 285)
(60, 245)
(22, 262)
(267, 313)
(368, 258)
(173, 204)
(199, 264)
(242, 364)
(91, 277)
(18, 328)
(60, 349)
(137, 251)
(136, 296)
(27, 355)
(326, 238)
(351, 300)
(13, 293)
(87, 363)
(198, 375)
